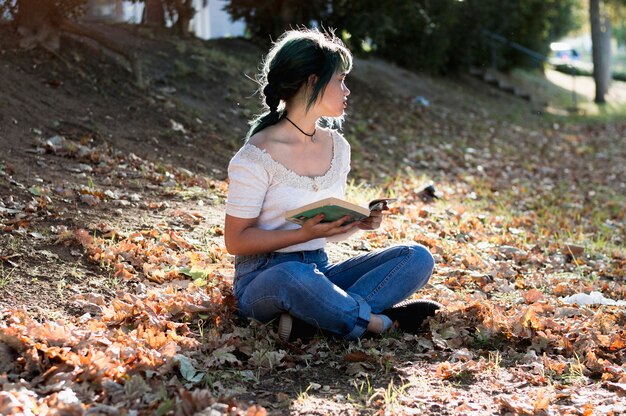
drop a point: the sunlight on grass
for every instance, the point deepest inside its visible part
(361, 193)
(603, 113)
(572, 98)
(556, 214)
(520, 215)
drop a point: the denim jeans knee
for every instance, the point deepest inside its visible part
(421, 264)
(336, 297)
(285, 284)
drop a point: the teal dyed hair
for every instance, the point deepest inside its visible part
(293, 58)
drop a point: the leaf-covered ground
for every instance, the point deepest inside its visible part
(115, 287)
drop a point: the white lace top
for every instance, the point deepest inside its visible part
(260, 187)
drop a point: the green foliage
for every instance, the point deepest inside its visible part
(619, 76)
(617, 12)
(579, 71)
(267, 19)
(573, 70)
(446, 35)
(434, 35)
(414, 34)
(619, 32)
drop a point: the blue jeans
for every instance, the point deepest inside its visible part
(335, 297)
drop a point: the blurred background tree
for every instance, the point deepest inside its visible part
(41, 23)
(439, 36)
(157, 13)
(602, 14)
(601, 50)
(266, 20)
(434, 35)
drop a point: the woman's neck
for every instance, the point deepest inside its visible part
(305, 124)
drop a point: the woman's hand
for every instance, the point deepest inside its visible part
(372, 222)
(315, 228)
(242, 236)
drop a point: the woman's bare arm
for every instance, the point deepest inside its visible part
(242, 237)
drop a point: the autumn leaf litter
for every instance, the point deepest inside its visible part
(165, 337)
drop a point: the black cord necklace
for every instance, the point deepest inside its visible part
(302, 131)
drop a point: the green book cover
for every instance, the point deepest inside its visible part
(331, 213)
(335, 208)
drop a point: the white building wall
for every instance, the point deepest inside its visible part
(213, 22)
(133, 12)
(109, 10)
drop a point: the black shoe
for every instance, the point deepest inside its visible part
(410, 314)
(285, 323)
(291, 329)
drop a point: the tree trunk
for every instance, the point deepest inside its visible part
(184, 13)
(91, 9)
(154, 13)
(601, 49)
(40, 24)
(37, 22)
(119, 11)
(80, 30)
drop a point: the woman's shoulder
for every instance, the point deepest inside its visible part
(269, 139)
(260, 139)
(257, 144)
(258, 152)
(337, 137)
(247, 153)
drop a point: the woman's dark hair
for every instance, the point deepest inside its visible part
(293, 58)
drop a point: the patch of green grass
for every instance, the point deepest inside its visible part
(302, 395)
(112, 281)
(13, 244)
(221, 59)
(572, 376)
(575, 372)
(200, 276)
(362, 193)
(592, 113)
(389, 398)
(5, 277)
(192, 193)
(181, 46)
(562, 101)
(229, 377)
(559, 213)
(486, 341)
(464, 377)
(61, 285)
(494, 360)
(508, 298)
(364, 390)
(181, 69)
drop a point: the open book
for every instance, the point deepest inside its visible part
(335, 208)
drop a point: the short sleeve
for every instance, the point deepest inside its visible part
(345, 159)
(248, 184)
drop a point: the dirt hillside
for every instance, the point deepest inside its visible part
(115, 290)
(192, 117)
